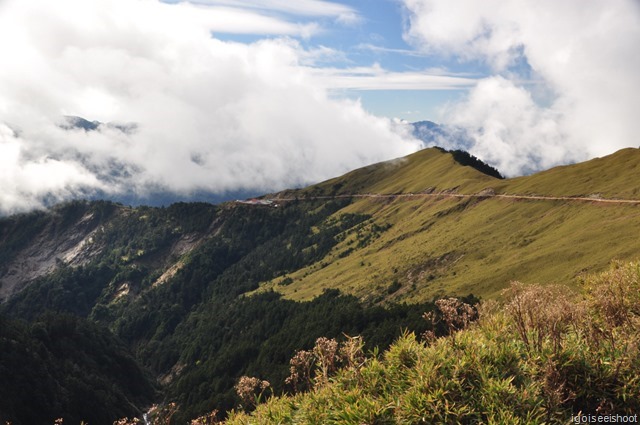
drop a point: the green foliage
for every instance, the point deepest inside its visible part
(192, 216)
(258, 335)
(143, 232)
(70, 290)
(62, 366)
(251, 245)
(395, 285)
(537, 361)
(465, 158)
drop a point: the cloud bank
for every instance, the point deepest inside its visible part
(564, 75)
(210, 115)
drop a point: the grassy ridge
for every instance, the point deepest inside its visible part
(457, 247)
(424, 170)
(427, 247)
(612, 176)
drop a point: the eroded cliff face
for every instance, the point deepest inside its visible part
(58, 243)
(35, 245)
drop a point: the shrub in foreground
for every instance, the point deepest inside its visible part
(545, 356)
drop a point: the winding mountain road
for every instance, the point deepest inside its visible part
(593, 199)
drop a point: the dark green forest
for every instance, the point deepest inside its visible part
(197, 331)
(466, 159)
(60, 365)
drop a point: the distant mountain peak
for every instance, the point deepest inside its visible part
(452, 140)
(72, 122)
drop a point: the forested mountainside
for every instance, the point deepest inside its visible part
(60, 363)
(200, 295)
(169, 284)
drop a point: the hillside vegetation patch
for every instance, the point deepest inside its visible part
(544, 355)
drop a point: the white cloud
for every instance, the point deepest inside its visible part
(380, 49)
(582, 54)
(27, 178)
(512, 132)
(377, 78)
(340, 12)
(211, 115)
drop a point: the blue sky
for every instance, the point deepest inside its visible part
(378, 39)
(373, 38)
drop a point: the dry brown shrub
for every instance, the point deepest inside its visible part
(250, 390)
(326, 353)
(455, 314)
(555, 388)
(429, 337)
(541, 313)
(615, 294)
(161, 415)
(323, 361)
(300, 369)
(127, 421)
(352, 352)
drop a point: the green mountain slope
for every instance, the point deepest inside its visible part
(425, 170)
(438, 243)
(169, 284)
(612, 176)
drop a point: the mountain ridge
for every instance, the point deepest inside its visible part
(441, 194)
(431, 172)
(598, 175)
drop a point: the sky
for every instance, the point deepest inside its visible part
(221, 96)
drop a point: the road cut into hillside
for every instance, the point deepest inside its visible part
(591, 199)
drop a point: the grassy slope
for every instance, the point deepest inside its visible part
(425, 169)
(612, 176)
(456, 246)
